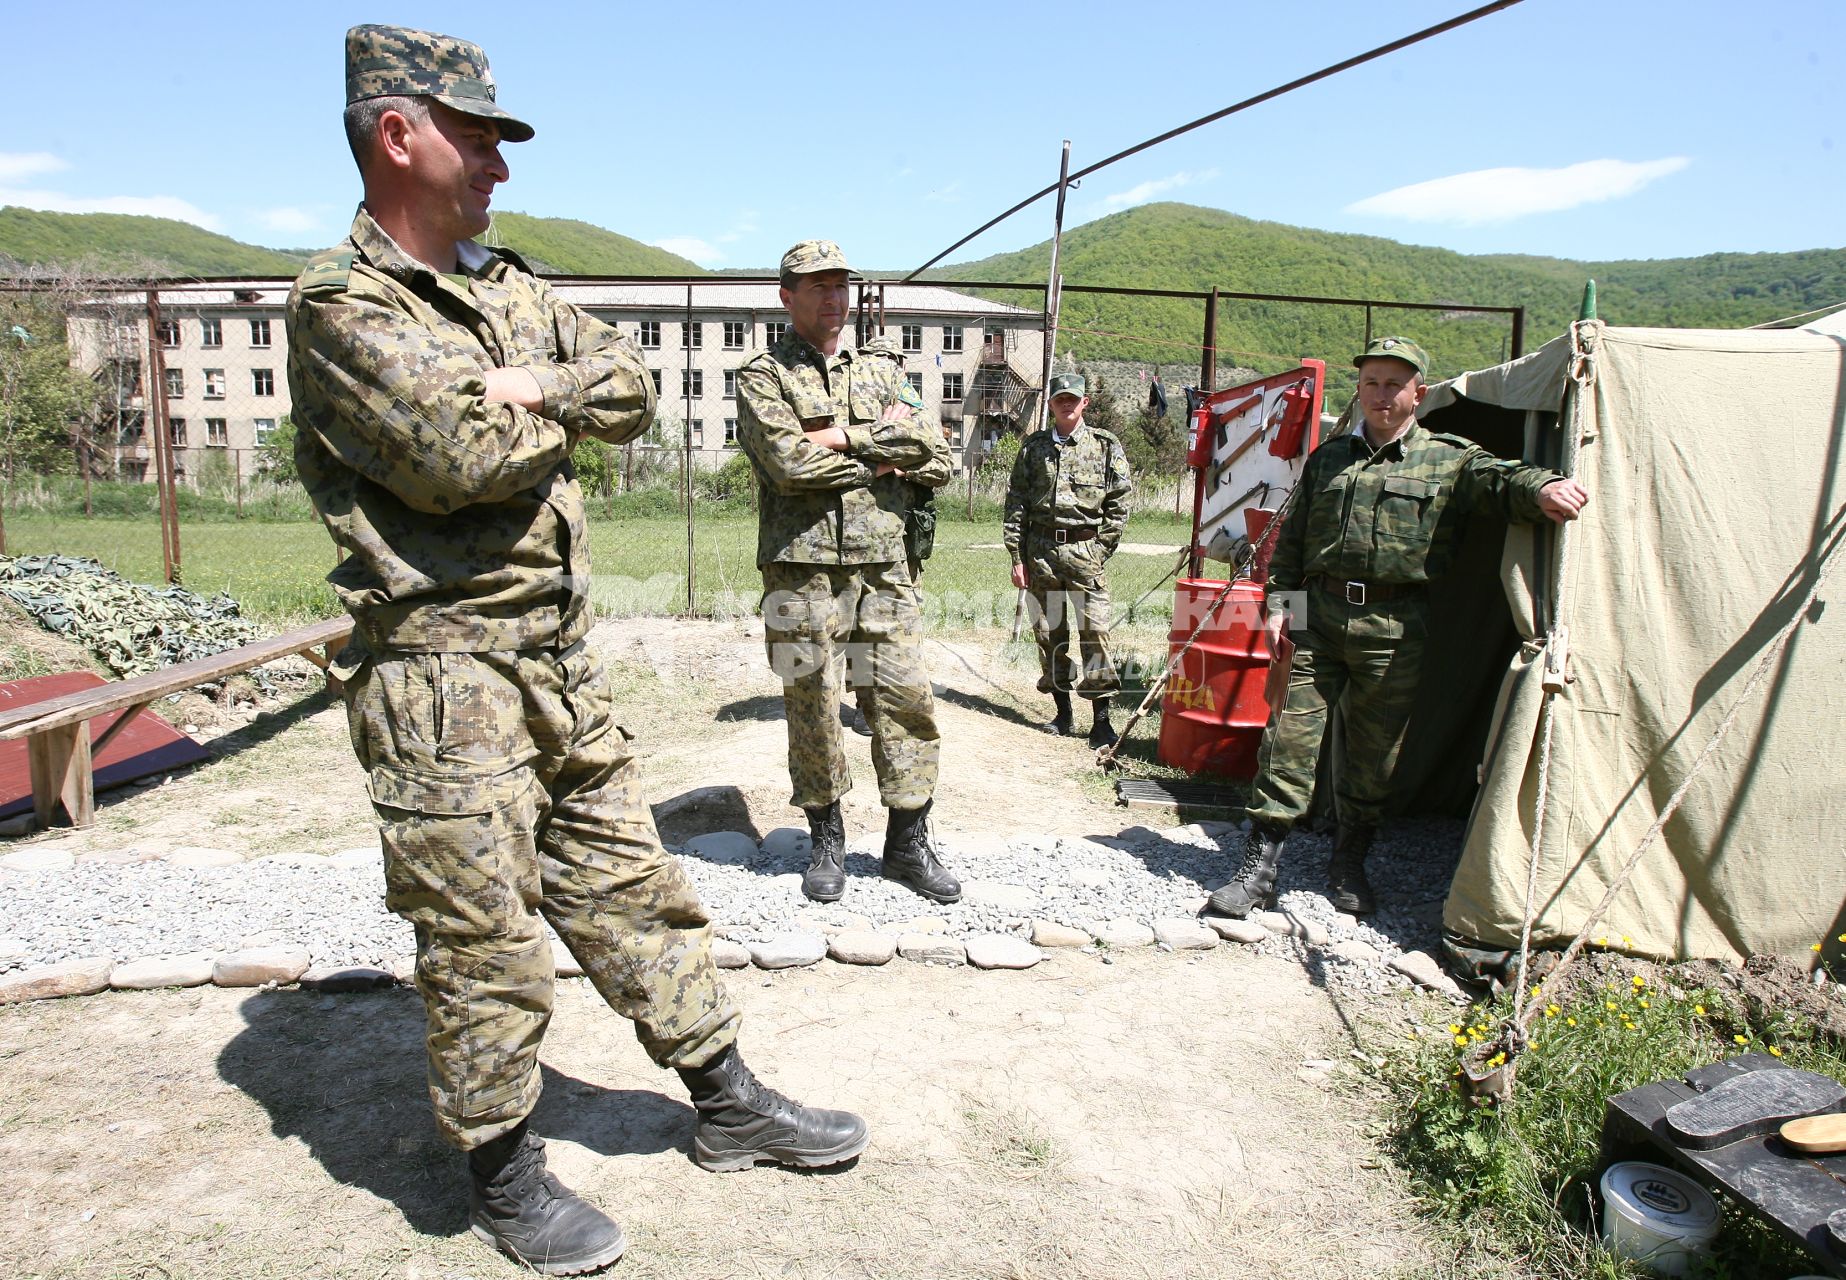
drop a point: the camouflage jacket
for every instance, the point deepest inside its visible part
(1391, 516)
(1083, 484)
(817, 506)
(462, 519)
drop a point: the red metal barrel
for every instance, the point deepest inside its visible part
(1213, 713)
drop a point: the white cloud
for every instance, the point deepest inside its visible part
(700, 251)
(289, 221)
(1146, 191)
(1500, 195)
(15, 165)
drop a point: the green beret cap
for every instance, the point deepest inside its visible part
(1396, 349)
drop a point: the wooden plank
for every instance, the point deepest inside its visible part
(71, 708)
(60, 759)
(147, 745)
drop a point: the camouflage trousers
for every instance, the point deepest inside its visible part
(1065, 585)
(507, 796)
(1369, 655)
(857, 626)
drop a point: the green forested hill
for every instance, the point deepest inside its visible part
(110, 242)
(1178, 246)
(565, 246)
(120, 242)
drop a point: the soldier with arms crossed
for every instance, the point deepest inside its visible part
(831, 432)
(439, 388)
(1371, 525)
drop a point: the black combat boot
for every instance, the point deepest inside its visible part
(1102, 733)
(1060, 724)
(825, 879)
(743, 1122)
(530, 1216)
(1253, 888)
(1347, 888)
(910, 856)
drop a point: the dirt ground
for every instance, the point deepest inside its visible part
(1146, 1116)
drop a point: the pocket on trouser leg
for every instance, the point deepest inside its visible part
(461, 855)
(488, 1002)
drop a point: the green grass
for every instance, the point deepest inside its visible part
(276, 569)
(1512, 1182)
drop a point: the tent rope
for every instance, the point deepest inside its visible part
(1582, 373)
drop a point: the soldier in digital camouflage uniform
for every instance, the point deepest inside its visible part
(1371, 524)
(439, 388)
(831, 434)
(1066, 507)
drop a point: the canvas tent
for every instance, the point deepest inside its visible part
(1716, 464)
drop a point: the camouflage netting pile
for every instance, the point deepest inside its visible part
(131, 628)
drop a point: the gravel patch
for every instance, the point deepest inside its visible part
(1141, 886)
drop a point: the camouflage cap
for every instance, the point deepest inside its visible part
(813, 255)
(886, 347)
(398, 62)
(1396, 349)
(1068, 384)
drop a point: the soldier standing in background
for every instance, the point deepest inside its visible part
(1372, 524)
(1066, 507)
(830, 433)
(439, 388)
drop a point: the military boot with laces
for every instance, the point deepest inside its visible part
(825, 878)
(1253, 887)
(1102, 733)
(910, 856)
(531, 1217)
(1061, 724)
(1348, 889)
(743, 1122)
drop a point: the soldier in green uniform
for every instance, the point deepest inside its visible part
(832, 434)
(439, 388)
(1371, 525)
(1066, 507)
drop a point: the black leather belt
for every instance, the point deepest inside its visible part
(1062, 536)
(1367, 592)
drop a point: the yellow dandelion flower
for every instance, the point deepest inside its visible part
(1454, 1029)
(1461, 1042)
(1842, 937)
(1602, 942)
(1815, 947)
(1535, 991)
(1741, 1039)
(1551, 1011)
(1775, 1052)
(1627, 941)
(1699, 1009)
(1646, 1005)
(1608, 1004)
(1570, 1022)
(1638, 980)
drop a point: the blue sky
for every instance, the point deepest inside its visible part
(1589, 129)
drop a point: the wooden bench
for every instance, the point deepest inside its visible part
(57, 731)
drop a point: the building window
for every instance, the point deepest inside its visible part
(176, 432)
(211, 333)
(263, 428)
(214, 384)
(951, 337)
(773, 331)
(168, 333)
(735, 333)
(176, 383)
(262, 382)
(655, 375)
(217, 435)
(692, 383)
(730, 384)
(916, 382)
(650, 334)
(131, 428)
(259, 333)
(730, 433)
(913, 337)
(951, 386)
(692, 336)
(695, 430)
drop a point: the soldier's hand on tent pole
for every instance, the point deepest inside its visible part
(1563, 500)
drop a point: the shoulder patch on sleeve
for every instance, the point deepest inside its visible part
(327, 270)
(908, 394)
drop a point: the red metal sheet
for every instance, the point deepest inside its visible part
(148, 745)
